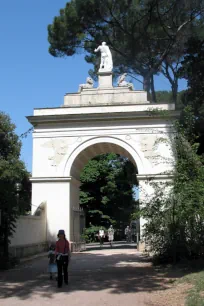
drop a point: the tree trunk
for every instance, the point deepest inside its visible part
(174, 88)
(154, 98)
(173, 233)
(5, 244)
(147, 86)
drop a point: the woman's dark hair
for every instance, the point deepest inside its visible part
(63, 235)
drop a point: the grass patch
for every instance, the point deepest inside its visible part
(195, 295)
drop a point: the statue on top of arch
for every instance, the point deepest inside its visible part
(89, 84)
(106, 58)
(122, 83)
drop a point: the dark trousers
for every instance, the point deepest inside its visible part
(62, 265)
(101, 240)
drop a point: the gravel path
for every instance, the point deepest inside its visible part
(108, 277)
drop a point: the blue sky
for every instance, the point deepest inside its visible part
(29, 76)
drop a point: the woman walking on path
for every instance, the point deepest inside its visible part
(101, 236)
(128, 234)
(62, 257)
(111, 235)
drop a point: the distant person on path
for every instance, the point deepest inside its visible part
(101, 236)
(52, 268)
(128, 234)
(62, 257)
(111, 235)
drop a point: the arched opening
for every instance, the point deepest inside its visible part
(78, 160)
(99, 145)
(96, 149)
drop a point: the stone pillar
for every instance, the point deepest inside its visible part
(56, 193)
(145, 192)
(74, 210)
(105, 80)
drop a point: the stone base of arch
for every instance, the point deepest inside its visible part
(146, 192)
(63, 211)
(61, 194)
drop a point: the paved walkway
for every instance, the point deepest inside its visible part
(108, 277)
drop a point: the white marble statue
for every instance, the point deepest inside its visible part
(122, 83)
(89, 84)
(106, 58)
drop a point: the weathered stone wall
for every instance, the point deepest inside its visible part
(29, 230)
(30, 236)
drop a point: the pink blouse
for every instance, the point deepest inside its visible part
(62, 247)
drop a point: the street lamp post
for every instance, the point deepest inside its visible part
(18, 188)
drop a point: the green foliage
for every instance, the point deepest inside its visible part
(153, 112)
(175, 213)
(12, 170)
(195, 294)
(144, 35)
(175, 220)
(166, 97)
(192, 69)
(107, 190)
(90, 234)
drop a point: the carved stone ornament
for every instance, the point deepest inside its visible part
(127, 137)
(89, 84)
(122, 83)
(59, 150)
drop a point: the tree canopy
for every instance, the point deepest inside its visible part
(146, 36)
(175, 213)
(12, 170)
(107, 194)
(192, 70)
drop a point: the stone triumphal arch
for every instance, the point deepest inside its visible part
(93, 121)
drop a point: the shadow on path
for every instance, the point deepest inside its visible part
(120, 272)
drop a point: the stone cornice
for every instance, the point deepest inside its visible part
(98, 117)
(140, 177)
(50, 179)
(75, 106)
(55, 179)
(154, 177)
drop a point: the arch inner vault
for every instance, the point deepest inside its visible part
(100, 145)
